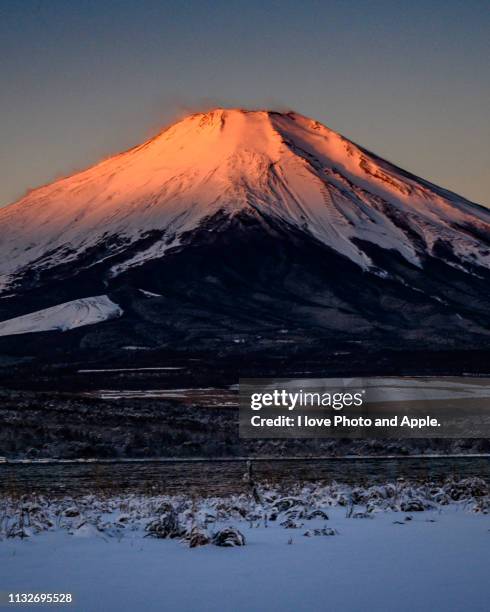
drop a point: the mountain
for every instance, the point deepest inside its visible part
(244, 232)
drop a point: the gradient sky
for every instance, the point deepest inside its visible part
(82, 79)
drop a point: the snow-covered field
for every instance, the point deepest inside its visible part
(313, 547)
(77, 313)
(371, 565)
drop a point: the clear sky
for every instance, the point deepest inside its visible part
(81, 79)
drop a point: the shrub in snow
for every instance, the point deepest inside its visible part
(123, 519)
(482, 506)
(23, 520)
(442, 498)
(85, 530)
(286, 503)
(71, 512)
(324, 531)
(229, 537)
(290, 523)
(17, 529)
(172, 516)
(317, 514)
(232, 507)
(166, 526)
(413, 505)
(163, 507)
(468, 487)
(197, 537)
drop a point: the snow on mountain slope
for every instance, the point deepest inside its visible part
(78, 313)
(283, 166)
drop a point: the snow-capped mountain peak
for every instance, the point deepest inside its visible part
(280, 166)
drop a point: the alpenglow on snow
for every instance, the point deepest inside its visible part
(282, 166)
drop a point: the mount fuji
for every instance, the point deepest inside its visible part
(237, 232)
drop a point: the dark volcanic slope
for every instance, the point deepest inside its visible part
(252, 286)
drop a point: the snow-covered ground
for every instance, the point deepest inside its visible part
(367, 553)
(77, 313)
(371, 565)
